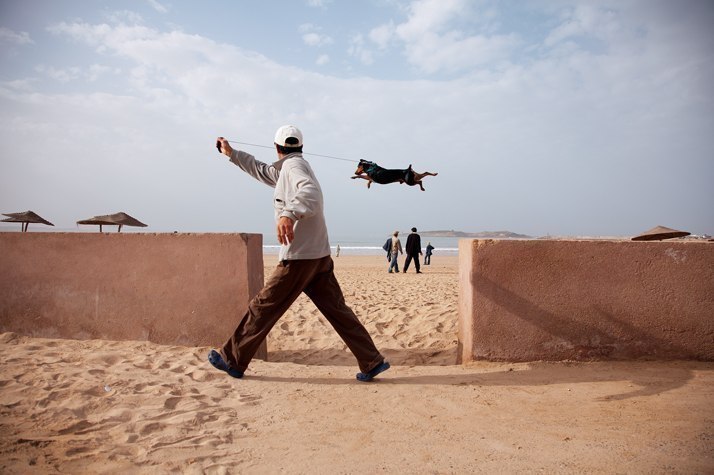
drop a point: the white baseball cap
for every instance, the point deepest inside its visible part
(287, 135)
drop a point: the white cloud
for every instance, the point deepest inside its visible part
(315, 39)
(156, 5)
(71, 73)
(322, 60)
(9, 36)
(452, 53)
(433, 41)
(17, 85)
(96, 71)
(429, 16)
(59, 74)
(583, 20)
(311, 35)
(382, 35)
(103, 36)
(358, 50)
(318, 3)
(119, 17)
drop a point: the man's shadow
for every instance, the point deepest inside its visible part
(646, 377)
(601, 338)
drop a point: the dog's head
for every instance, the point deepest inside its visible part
(365, 166)
(360, 167)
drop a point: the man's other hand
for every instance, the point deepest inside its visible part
(285, 230)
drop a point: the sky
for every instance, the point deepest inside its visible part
(564, 118)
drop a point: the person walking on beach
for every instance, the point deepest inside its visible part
(394, 250)
(427, 254)
(337, 251)
(388, 248)
(305, 264)
(413, 250)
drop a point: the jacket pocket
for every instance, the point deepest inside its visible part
(279, 204)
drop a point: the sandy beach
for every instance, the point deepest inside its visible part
(137, 407)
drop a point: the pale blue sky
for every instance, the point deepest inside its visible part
(541, 117)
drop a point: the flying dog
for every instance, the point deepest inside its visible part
(372, 172)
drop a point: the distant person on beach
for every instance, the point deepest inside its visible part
(388, 248)
(305, 262)
(395, 248)
(337, 251)
(427, 255)
(413, 250)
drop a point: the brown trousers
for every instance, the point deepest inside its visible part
(316, 278)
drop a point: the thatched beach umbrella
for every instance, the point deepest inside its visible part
(116, 219)
(659, 233)
(25, 218)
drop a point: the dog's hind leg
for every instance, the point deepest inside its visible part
(419, 176)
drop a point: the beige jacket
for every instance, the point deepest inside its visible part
(298, 196)
(396, 245)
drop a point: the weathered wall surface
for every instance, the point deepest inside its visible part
(183, 289)
(556, 300)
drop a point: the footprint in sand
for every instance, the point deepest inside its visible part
(171, 403)
(151, 427)
(144, 365)
(76, 428)
(76, 451)
(381, 326)
(249, 399)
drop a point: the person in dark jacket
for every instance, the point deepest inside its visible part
(413, 250)
(427, 255)
(388, 248)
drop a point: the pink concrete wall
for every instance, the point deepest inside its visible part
(557, 300)
(183, 289)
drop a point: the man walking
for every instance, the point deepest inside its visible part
(305, 263)
(427, 256)
(395, 248)
(413, 250)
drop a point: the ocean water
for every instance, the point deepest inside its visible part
(349, 245)
(372, 245)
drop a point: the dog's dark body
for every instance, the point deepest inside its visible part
(372, 172)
